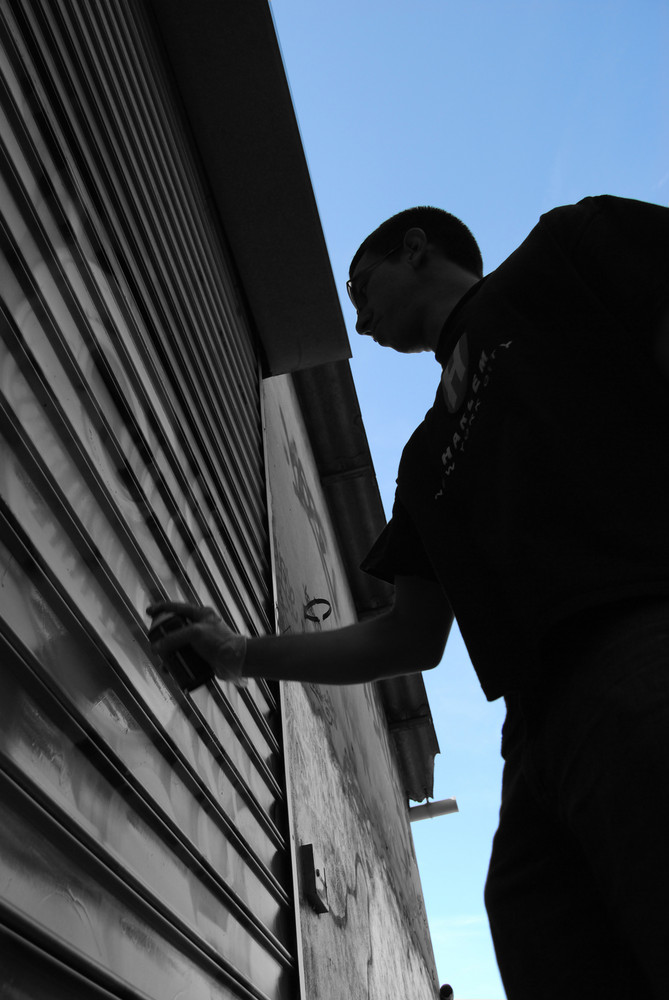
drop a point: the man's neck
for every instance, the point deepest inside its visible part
(456, 283)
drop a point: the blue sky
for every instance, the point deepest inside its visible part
(496, 111)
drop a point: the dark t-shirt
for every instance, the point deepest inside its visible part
(537, 487)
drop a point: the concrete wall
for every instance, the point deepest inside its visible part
(346, 795)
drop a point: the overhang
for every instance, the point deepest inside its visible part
(227, 69)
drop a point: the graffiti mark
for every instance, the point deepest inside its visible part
(311, 607)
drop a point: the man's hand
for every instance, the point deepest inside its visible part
(204, 633)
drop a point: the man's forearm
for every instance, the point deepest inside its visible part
(356, 654)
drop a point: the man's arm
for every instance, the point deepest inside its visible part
(409, 638)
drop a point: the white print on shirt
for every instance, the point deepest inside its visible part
(454, 385)
(454, 376)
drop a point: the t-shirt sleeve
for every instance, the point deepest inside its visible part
(398, 551)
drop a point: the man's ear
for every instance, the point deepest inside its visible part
(415, 244)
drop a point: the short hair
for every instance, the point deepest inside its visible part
(442, 229)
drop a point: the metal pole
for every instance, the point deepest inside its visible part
(431, 809)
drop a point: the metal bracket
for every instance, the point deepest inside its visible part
(314, 882)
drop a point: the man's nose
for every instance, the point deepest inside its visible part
(363, 322)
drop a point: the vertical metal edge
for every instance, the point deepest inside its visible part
(292, 839)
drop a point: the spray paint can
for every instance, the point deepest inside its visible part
(189, 669)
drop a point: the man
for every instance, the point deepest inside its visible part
(533, 500)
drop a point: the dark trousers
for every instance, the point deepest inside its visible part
(578, 886)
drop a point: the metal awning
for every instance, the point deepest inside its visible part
(228, 72)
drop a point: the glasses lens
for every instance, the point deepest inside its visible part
(357, 295)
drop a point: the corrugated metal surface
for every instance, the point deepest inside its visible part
(142, 838)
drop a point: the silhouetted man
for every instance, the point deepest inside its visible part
(533, 500)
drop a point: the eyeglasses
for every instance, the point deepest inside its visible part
(357, 296)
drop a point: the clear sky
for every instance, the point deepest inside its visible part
(496, 111)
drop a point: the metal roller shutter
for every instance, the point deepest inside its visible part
(143, 848)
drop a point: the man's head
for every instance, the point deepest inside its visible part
(409, 273)
(442, 229)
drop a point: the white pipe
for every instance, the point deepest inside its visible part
(431, 809)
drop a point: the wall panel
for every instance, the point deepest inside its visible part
(373, 941)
